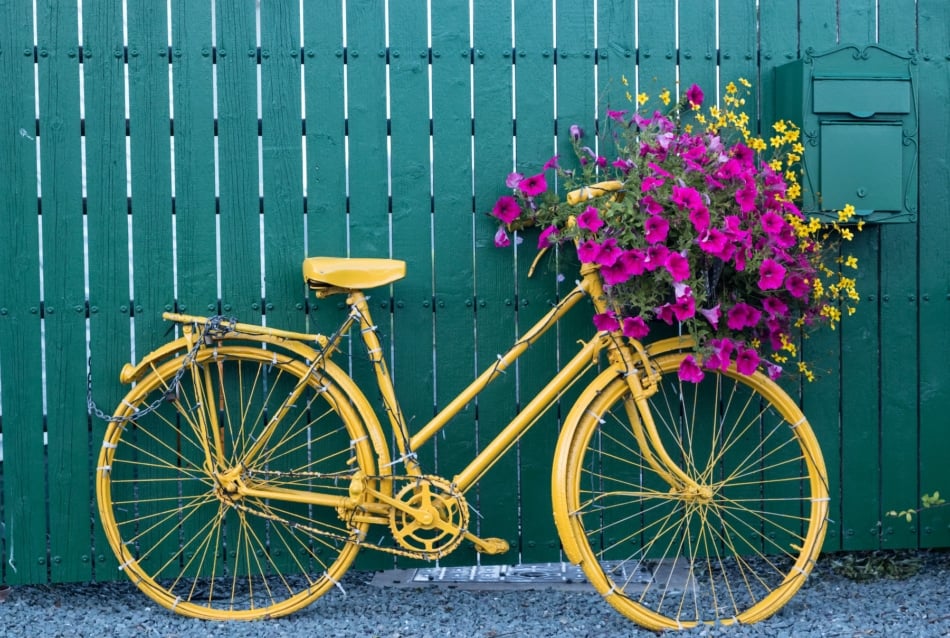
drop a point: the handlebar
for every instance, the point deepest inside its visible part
(594, 190)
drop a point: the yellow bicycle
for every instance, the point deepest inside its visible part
(244, 470)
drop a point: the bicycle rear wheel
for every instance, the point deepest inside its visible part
(167, 484)
(734, 545)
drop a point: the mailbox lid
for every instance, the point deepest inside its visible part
(861, 97)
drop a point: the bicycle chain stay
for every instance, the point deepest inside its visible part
(216, 325)
(353, 537)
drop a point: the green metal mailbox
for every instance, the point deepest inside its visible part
(857, 108)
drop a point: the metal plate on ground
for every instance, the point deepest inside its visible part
(525, 576)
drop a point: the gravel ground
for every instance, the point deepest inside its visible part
(830, 604)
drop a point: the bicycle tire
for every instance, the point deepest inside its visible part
(176, 531)
(733, 551)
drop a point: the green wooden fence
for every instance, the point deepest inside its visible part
(188, 155)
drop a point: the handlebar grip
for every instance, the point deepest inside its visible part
(592, 191)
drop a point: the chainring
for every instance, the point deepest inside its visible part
(435, 518)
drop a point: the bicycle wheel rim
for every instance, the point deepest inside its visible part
(736, 556)
(202, 555)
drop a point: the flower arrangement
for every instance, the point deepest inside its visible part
(698, 226)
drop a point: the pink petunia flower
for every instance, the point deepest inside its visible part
(747, 361)
(606, 321)
(774, 370)
(506, 209)
(656, 257)
(694, 95)
(699, 216)
(545, 239)
(534, 185)
(587, 251)
(690, 371)
(608, 253)
(775, 307)
(590, 220)
(635, 328)
(771, 274)
(665, 313)
(656, 229)
(551, 163)
(678, 266)
(513, 180)
(741, 316)
(501, 238)
(684, 308)
(712, 315)
(576, 132)
(797, 286)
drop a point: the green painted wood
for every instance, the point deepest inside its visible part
(153, 246)
(656, 48)
(238, 168)
(192, 57)
(900, 381)
(697, 46)
(63, 290)
(494, 281)
(283, 170)
(452, 248)
(534, 145)
(412, 319)
(575, 105)
(327, 221)
(367, 207)
(20, 372)
(821, 350)
(934, 271)
(326, 167)
(738, 50)
(616, 53)
(107, 218)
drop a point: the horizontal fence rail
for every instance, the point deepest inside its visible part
(187, 156)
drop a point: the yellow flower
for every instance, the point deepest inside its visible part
(776, 141)
(758, 144)
(798, 148)
(780, 126)
(629, 97)
(623, 78)
(731, 87)
(846, 234)
(851, 262)
(776, 165)
(744, 82)
(665, 97)
(642, 98)
(846, 213)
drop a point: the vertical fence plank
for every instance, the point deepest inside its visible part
(656, 54)
(574, 68)
(63, 288)
(412, 329)
(494, 280)
(238, 174)
(697, 46)
(282, 153)
(900, 383)
(152, 208)
(24, 549)
(860, 350)
(821, 401)
(192, 58)
(616, 55)
(452, 248)
(150, 148)
(368, 206)
(738, 51)
(535, 144)
(107, 218)
(325, 171)
(934, 272)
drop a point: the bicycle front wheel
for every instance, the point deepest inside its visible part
(186, 441)
(727, 535)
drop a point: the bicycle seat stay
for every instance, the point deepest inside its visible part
(346, 273)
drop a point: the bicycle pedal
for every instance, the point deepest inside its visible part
(488, 545)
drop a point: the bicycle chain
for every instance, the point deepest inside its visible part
(351, 538)
(211, 327)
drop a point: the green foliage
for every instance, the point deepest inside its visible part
(927, 501)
